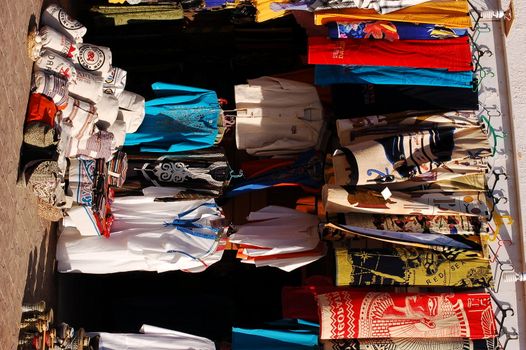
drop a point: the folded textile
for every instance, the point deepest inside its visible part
(52, 86)
(56, 64)
(55, 17)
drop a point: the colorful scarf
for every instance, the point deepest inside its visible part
(392, 31)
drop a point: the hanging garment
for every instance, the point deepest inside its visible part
(181, 119)
(341, 74)
(410, 266)
(306, 171)
(121, 15)
(442, 180)
(152, 338)
(448, 13)
(380, 6)
(276, 231)
(452, 224)
(204, 171)
(406, 315)
(404, 156)
(336, 199)
(380, 126)
(283, 335)
(451, 54)
(364, 100)
(410, 344)
(148, 235)
(475, 244)
(392, 31)
(277, 116)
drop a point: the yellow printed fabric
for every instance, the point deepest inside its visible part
(265, 13)
(409, 266)
(449, 13)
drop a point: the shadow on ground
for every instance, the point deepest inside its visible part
(41, 277)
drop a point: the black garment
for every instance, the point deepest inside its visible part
(204, 171)
(363, 100)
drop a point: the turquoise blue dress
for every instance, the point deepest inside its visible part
(284, 335)
(383, 75)
(182, 118)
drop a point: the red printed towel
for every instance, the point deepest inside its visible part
(362, 315)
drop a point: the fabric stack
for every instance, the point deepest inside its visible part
(77, 120)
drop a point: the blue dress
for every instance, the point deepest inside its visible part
(284, 335)
(182, 118)
(383, 75)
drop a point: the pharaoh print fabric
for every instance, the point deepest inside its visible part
(410, 344)
(338, 200)
(204, 171)
(401, 157)
(362, 315)
(410, 266)
(391, 31)
(451, 224)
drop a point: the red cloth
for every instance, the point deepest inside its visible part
(451, 54)
(361, 315)
(300, 302)
(41, 109)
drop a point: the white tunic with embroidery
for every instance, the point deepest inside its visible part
(145, 237)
